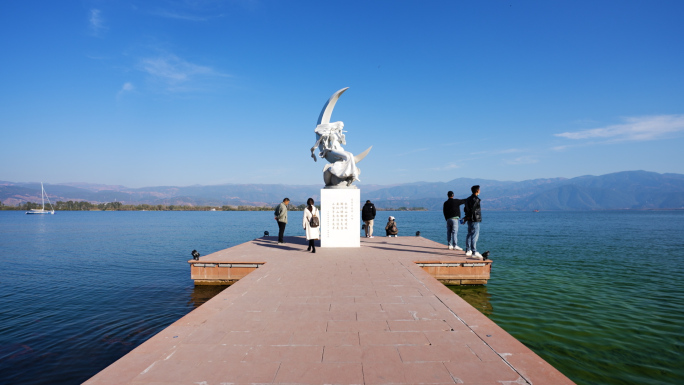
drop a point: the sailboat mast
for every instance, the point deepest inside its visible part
(42, 194)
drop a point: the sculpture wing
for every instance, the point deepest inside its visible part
(324, 117)
(359, 157)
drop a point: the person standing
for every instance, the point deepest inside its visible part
(452, 213)
(281, 218)
(367, 216)
(473, 216)
(312, 232)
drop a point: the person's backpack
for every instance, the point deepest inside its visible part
(314, 221)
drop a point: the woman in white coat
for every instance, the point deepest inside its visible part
(312, 233)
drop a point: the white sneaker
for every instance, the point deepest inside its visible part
(477, 255)
(370, 236)
(469, 253)
(451, 247)
(457, 248)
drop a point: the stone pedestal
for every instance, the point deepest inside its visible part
(340, 217)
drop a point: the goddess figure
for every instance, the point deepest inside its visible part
(341, 172)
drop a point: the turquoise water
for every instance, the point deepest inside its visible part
(600, 295)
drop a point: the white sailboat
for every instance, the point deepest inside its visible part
(42, 197)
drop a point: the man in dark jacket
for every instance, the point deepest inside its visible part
(473, 216)
(367, 216)
(452, 213)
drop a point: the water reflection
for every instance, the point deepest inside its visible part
(477, 296)
(203, 293)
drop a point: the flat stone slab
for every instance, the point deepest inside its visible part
(367, 315)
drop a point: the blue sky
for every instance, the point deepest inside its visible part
(147, 93)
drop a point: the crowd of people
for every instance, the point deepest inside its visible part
(472, 217)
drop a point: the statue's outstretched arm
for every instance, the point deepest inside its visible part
(314, 148)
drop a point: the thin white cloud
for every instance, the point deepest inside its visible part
(127, 87)
(174, 71)
(522, 160)
(96, 21)
(179, 16)
(633, 129)
(448, 166)
(496, 152)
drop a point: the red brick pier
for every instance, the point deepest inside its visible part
(368, 315)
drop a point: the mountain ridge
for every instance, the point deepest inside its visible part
(614, 191)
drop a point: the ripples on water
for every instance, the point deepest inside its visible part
(599, 295)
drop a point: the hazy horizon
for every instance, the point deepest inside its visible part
(360, 185)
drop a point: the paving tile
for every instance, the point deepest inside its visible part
(458, 338)
(456, 324)
(238, 372)
(204, 335)
(124, 370)
(500, 341)
(284, 354)
(318, 307)
(419, 325)
(427, 373)
(484, 352)
(393, 338)
(479, 372)
(409, 307)
(356, 307)
(341, 315)
(423, 353)
(238, 325)
(330, 300)
(288, 325)
(357, 326)
(321, 373)
(169, 371)
(401, 315)
(325, 338)
(372, 316)
(191, 354)
(256, 338)
(380, 300)
(361, 354)
(383, 373)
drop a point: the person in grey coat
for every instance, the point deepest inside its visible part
(281, 218)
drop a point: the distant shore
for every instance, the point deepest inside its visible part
(118, 206)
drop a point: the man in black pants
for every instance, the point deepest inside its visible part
(452, 213)
(281, 217)
(473, 215)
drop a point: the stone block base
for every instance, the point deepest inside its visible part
(340, 218)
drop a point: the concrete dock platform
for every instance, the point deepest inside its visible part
(368, 315)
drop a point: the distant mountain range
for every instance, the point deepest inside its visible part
(617, 191)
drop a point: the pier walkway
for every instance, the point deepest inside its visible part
(368, 315)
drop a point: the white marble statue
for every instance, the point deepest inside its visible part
(341, 172)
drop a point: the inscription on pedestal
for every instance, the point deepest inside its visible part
(340, 224)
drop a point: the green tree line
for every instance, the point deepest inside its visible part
(118, 206)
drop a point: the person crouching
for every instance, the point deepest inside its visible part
(391, 228)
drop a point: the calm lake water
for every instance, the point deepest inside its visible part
(599, 295)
